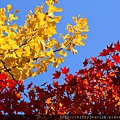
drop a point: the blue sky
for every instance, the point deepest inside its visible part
(103, 19)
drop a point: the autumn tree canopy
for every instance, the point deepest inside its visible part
(28, 50)
(93, 90)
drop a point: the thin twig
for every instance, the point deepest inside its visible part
(8, 70)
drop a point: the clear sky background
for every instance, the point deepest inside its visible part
(103, 20)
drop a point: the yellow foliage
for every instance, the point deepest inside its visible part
(9, 7)
(12, 17)
(14, 26)
(62, 53)
(29, 49)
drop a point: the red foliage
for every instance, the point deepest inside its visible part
(116, 58)
(117, 46)
(64, 70)
(85, 62)
(56, 74)
(92, 90)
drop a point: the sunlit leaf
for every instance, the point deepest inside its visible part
(9, 7)
(48, 101)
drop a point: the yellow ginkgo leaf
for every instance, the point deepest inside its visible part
(57, 19)
(1, 22)
(39, 70)
(42, 54)
(34, 74)
(5, 47)
(60, 52)
(50, 15)
(48, 3)
(14, 26)
(12, 17)
(52, 59)
(54, 9)
(74, 51)
(19, 52)
(50, 53)
(58, 10)
(28, 52)
(68, 25)
(74, 19)
(57, 45)
(23, 75)
(60, 60)
(55, 65)
(63, 46)
(50, 31)
(64, 54)
(84, 36)
(82, 43)
(9, 7)
(14, 55)
(41, 45)
(13, 45)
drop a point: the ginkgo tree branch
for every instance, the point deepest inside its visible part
(33, 35)
(8, 70)
(39, 58)
(28, 44)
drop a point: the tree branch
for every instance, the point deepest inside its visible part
(8, 70)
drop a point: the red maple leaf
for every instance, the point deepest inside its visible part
(56, 74)
(20, 82)
(116, 58)
(29, 85)
(94, 59)
(104, 52)
(81, 71)
(117, 46)
(49, 87)
(3, 76)
(55, 84)
(85, 62)
(69, 76)
(64, 70)
(110, 48)
(109, 63)
(2, 85)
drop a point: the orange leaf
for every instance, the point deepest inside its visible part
(48, 101)
(61, 112)
(118, 103)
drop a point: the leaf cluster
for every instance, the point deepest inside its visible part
(28, 50)
(92, 90)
